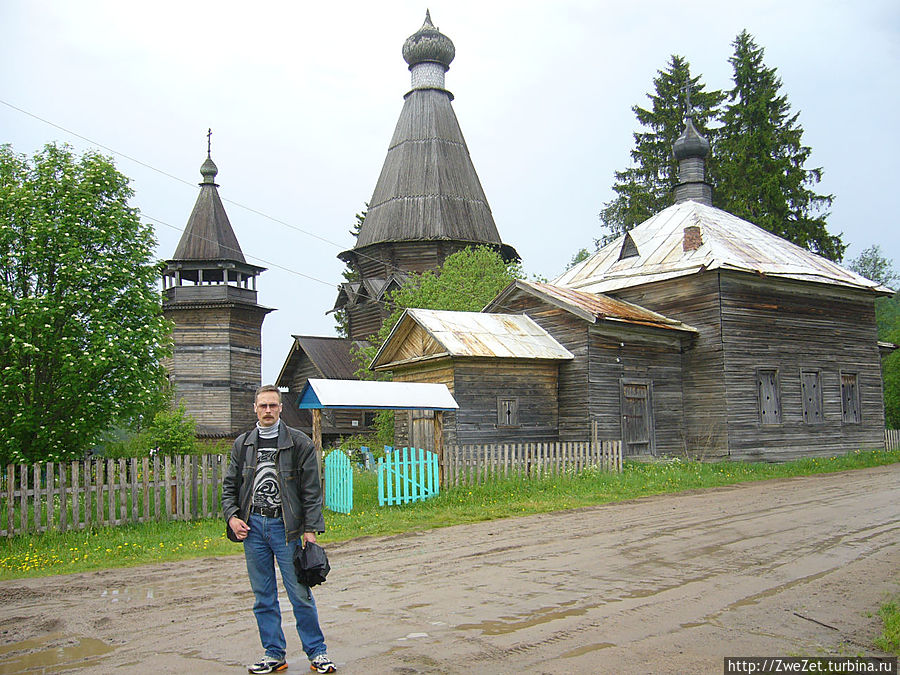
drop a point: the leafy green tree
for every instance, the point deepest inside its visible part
(341, 322)
(467, 281)
(172, 431)
(647, 187)
(872, 264)
(81, 324)
(890, 372)
(582, 255)
(759, 162)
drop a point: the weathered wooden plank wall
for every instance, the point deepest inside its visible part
(791, 327)
(571, 332)
(216, 364)
(694, 300)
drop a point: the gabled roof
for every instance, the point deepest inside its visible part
(208, 234)
(373, 395)
(329, 355)
(728, 243)
(469, 334)
(592, 307)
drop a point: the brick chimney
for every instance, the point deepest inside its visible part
(693, 238)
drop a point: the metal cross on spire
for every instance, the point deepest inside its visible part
(686, 89)
(209, 143)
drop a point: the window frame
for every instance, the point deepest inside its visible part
(501, 421)
(778, 411)
(857, 398)
(819, 396)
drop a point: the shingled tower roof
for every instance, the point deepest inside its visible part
(208, 234)
(428, 189)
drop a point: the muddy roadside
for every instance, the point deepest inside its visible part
(668, 584)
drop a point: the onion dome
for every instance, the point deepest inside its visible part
(428, 45)
(209, 170)
(691, 143)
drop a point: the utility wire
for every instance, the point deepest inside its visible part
(389, 267)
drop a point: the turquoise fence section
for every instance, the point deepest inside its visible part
(408, 475)
(338, 482)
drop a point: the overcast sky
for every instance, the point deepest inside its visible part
(303, 97)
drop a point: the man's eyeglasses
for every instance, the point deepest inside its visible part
(268, 406)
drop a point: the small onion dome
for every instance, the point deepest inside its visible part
(209, 170)
(428, 44)
(691, 143)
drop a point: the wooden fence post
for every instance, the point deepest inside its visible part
(439, 441)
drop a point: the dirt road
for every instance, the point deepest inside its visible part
(667, 584)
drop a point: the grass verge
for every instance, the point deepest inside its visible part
(86, 550)
(889, 641)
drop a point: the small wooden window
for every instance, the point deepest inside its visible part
(811, 393)
(850, 398)
(769, 396)
(507, 412)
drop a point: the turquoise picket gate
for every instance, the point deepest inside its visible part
(338, 482)
(410, 475)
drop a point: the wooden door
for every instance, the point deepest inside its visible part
(421, 429)
(637, 418)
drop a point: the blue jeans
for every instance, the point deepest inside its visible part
(264, 546)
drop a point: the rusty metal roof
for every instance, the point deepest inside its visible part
(474, 334)
(726, 243)
(591, 307)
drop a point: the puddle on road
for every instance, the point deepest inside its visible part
(587, 649)
(510, 624)
(52, 653)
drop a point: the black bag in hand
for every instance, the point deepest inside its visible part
(311, 564)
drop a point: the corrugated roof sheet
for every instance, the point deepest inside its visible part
(471, 334)
(593, 306)
(728, 243)
(371, 395)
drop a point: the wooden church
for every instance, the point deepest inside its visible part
(695, 332)
(209, 293)
(428, 203)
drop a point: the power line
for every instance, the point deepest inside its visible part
(262, 260)
(389, 267)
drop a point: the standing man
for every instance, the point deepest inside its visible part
(272, 499)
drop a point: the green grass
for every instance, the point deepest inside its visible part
(63, 553)
(890, 632)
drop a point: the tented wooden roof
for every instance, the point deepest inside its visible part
(208, 234)
(428, 188)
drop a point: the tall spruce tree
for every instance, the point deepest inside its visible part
(350, 274)
(648, 186)
(759, 158)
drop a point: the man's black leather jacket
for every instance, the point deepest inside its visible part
(298, 479)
